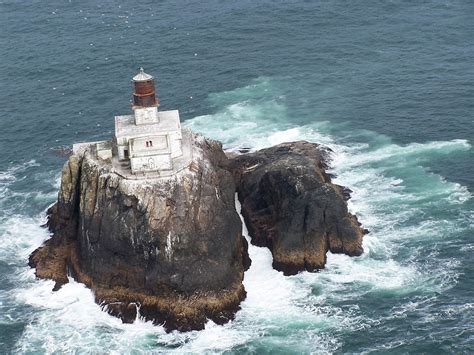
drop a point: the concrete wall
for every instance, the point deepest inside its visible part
(104, 150)
(139, 148)
(120, 151)
(176, 141)
(150, 145)
(104, 154)
(152, 163)
(134, 133)
(146, 115)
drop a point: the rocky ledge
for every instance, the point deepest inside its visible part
(170, 249)
(291, 206)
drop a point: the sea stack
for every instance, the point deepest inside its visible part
(148, 221)
(291, 206)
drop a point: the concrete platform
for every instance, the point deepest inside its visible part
(179, 163)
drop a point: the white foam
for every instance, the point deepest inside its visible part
(19, 236)
(274, 300)
(9, 174)
(6, 176)
(407, 154)
(382, 202)
(273, 303)
(263, 283)
(72, 311)
(297, 313)
(346, 278)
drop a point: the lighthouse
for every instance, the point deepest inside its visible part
(149, 141)
(145, 103)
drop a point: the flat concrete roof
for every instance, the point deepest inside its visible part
(168, 121)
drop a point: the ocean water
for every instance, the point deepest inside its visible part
(388, 86)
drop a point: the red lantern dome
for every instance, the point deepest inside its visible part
(144, 90)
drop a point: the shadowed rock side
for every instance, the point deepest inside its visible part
(291, 206)
(171, 248)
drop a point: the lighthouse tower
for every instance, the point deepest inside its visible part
(145, 103)
(149, 141)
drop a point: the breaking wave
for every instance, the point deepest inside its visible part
(409, 210)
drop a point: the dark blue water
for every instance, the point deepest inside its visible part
(388, 86)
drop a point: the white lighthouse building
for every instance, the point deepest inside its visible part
(147, 144)
(149, 140)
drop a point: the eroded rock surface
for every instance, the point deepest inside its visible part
(171, 248)
(291, 206)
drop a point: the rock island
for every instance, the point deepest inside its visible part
(147, 220)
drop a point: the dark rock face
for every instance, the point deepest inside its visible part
(172, 248)
(291, 206)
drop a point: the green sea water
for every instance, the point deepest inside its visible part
(388, 86)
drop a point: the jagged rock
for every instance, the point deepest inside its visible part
(291, 206)
(170, 248)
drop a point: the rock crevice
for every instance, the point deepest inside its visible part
(172, 246)
(171, 250)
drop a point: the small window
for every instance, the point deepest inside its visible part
(151, 143)
(147, 144)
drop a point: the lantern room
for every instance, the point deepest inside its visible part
(144, 90)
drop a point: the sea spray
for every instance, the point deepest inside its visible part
(400, 275)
